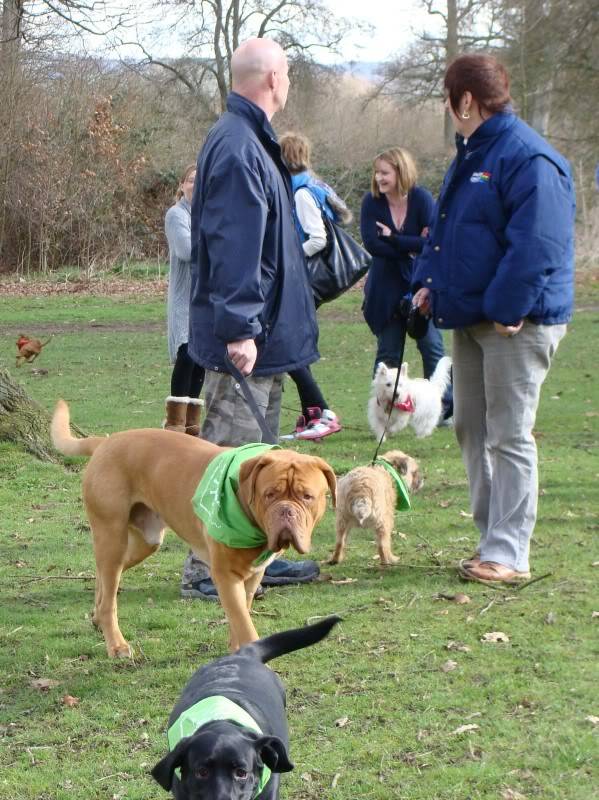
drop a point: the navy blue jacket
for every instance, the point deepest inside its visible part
(390, 275)
(249, 277)
(501, 245)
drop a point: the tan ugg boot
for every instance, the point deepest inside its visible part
(176, 414)
(192, 420)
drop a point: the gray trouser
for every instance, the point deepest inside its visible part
(496, 386)
(228, 420)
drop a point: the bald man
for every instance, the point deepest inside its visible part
(250, 296)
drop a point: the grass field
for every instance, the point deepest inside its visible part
(375, 710)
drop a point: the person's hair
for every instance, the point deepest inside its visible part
(403, 164)
(484, 77)
(296, 151)
(186, 173)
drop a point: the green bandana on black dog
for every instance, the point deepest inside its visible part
(210, 709)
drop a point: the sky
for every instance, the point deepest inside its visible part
(394, 23)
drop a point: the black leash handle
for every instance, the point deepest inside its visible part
(267, 435)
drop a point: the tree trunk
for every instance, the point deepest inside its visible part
(451, 51)
(10, 43)
(23, 421)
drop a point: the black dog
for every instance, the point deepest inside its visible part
(228, 732)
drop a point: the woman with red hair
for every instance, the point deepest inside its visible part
(498, 269)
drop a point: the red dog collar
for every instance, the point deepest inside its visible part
(407, 405)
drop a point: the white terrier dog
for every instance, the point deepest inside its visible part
(417, 401)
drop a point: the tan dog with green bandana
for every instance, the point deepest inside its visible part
(140, 482)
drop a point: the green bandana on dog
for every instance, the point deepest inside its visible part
(216, 504)
(211, 709)
(403, 498)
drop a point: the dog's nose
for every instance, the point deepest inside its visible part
(288, 512)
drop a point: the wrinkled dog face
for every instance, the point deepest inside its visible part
(286, 494)
(407, 467)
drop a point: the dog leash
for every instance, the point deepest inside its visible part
(378, 447)
(267, 435)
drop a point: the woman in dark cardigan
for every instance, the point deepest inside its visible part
(394, 223)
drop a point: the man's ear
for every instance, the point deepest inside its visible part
(164, 770)
(272, 752)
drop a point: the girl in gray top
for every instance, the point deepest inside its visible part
(183, 405)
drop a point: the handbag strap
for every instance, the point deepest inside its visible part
(267, 435)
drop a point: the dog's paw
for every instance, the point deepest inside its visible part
(123, 650)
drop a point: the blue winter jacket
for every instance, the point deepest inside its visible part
(390, 275)
(501, 246)
(249, 276)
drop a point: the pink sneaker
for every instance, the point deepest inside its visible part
(300, 425)
(318, 428)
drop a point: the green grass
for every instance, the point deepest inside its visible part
(381, 668)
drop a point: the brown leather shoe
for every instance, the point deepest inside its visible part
(468, 562)
(490, 573)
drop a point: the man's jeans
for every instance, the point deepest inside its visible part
(229, 421)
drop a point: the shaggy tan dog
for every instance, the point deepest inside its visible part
(366, 498)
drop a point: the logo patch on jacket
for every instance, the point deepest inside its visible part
(480, 177)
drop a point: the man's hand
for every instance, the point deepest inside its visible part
(243, 355)
(422, 301)
(508, 330)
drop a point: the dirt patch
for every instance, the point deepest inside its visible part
(45, 328)
(100, 287)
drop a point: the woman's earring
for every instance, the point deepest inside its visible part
(465, 115)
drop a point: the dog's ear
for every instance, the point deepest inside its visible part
(248, 474)
(272, 752)
(403, 372)
(327, 471)
(381, 369)
(164, 770)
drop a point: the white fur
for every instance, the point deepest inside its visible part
(426, 396)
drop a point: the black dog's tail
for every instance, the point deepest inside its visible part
(287, 641)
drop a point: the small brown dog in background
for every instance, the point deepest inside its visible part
(366, 498)
(28, 349)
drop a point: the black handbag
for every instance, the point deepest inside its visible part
(337, 267)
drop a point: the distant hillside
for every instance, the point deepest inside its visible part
(366, 70)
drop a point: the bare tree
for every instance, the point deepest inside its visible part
(208, 31)
(33, 35)
(552, 49)
(417, 75)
